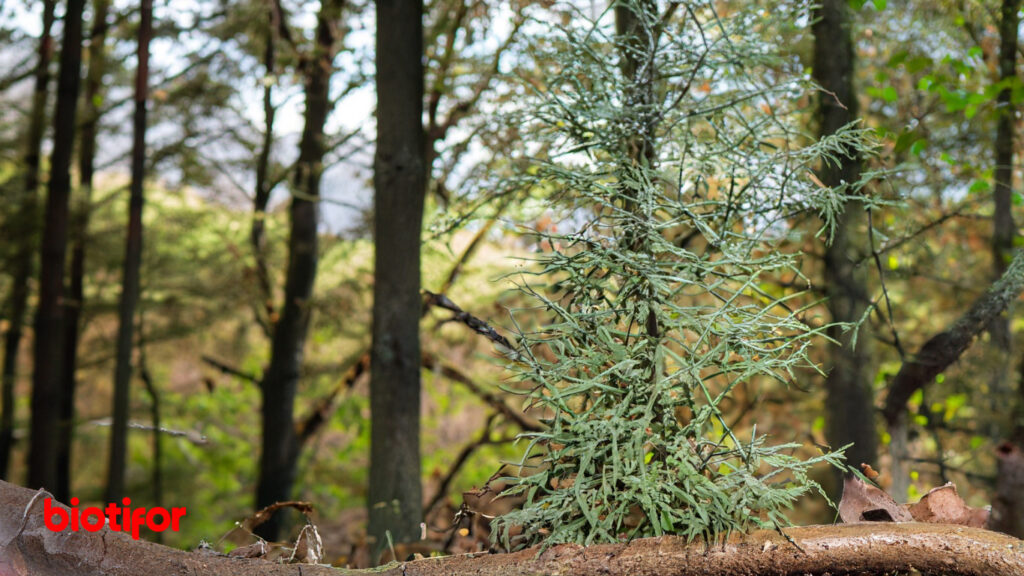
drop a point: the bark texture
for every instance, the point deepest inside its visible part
(849, 401)
(132, 268)
(280, 383)
(47, 392)
(22, 264)
(395, 494)
(28, 547)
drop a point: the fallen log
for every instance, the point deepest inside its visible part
(27, 547)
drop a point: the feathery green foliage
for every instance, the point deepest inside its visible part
(674, 150)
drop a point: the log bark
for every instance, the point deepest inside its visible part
(28, 547)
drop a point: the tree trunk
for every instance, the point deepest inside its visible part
(132, 266)
(635, 23)
(257, 235)
(27, 547)
(21, 266)
(1008, 506)
(280, 384)
(1003, 228)
(47, 391)
(395, 493)
(79, 232)
(849, 402)
(635, 26)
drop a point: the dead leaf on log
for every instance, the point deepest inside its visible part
(254, 550)
(862, 502)
(944, 505)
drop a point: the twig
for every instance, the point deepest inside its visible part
(482, 440)
(476, 324)
(230, 370)
(881, 280)
(354, 367)
(526, 423)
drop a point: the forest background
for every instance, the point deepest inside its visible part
(229, 352)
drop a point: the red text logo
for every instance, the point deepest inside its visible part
(118, 518)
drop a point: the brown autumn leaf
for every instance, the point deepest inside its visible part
(944, 505)
(862, 502)
(255, 550)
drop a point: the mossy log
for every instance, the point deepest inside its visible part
(27, 547)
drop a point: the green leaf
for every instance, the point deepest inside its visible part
(889, 94)
(918, 63)
(897, 58)
(979, 186)
(918, 146)
(916, 397)
(879, 4)
(905, 141)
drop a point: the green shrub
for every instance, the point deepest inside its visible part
(673, 152)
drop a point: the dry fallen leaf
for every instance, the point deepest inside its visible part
(256, 550)
(944, 505)
(862, 502)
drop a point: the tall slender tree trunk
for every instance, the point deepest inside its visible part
(400, 172)
(79, 230)
(1003, 228)
(257, 235)
(849, 402)
(1008, 504)
(27, 219)
(132, 267)
(47, 392)
(280, 383)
